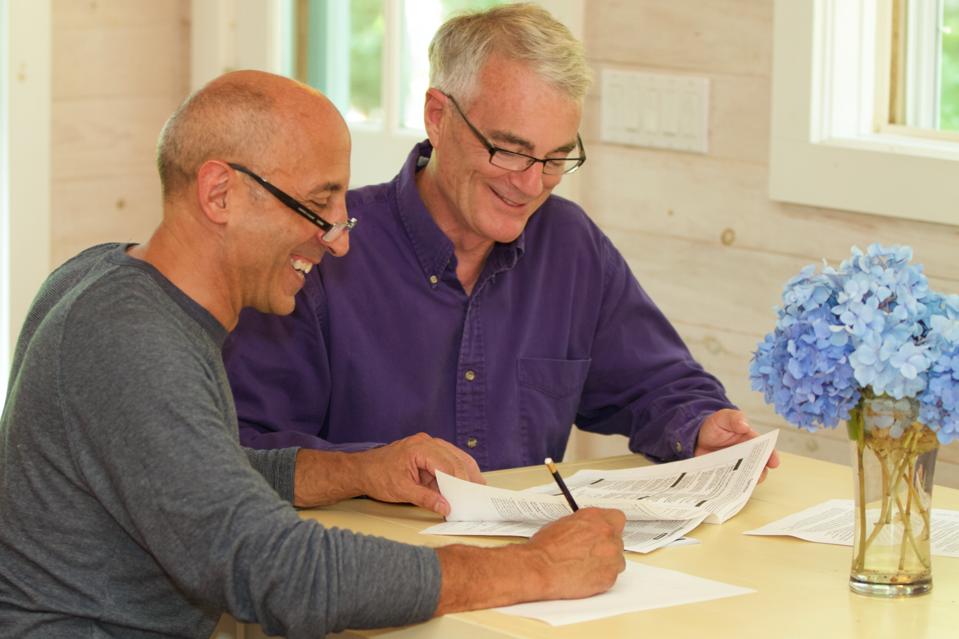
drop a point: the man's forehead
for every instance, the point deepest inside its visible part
(549, 123)
(327, 174)
(555, 144)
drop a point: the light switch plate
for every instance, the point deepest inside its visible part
(655, 110)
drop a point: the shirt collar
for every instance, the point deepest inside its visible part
(433, 249)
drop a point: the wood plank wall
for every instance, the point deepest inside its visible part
(119, 70)
(700, 231)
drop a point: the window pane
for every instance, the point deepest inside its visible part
(924, 75)
(338, 49)
(421, 19)
(949, 77)
(366, 61)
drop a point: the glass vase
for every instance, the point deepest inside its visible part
(894, 457)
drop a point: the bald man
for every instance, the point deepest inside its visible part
(129, 507)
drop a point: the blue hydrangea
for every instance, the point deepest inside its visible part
(940, 403)
(873, 323)
(803, 366)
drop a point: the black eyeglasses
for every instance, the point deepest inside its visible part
(332, 231)
(513, 161)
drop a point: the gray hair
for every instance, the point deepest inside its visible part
(524, 32)
(224, 120)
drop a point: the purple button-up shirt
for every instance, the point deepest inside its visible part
(385, 342)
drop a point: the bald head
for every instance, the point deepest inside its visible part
(239, 117)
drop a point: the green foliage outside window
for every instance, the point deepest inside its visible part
(949, 94)
(455, 6)
(366, 54)
(366, 48)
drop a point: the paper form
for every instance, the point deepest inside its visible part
(638, 536)
(639, 587)
(832, 522)
(662, 503)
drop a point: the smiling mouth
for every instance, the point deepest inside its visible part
(301, 266)
(506, 200)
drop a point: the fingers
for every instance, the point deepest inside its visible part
(614, 518)
(465, 467)
(405, 471)
(429, 499)
(582, 551)
(432, 454)
(731, 426)
(737, 423)
(773, 461)
(577, 533)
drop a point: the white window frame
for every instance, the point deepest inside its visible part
(923, 63)
(220, 26)
(25, 184)
(827, 145)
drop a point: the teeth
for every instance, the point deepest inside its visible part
(301, 265)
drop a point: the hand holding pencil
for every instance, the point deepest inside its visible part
(576, 556)
(582, 552)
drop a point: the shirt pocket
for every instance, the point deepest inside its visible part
(549, 393)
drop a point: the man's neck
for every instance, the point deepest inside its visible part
(181, 260)
(470, 249)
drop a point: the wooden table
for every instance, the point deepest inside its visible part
(801, 587)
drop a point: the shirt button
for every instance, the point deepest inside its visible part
(470, 376)
(434, 280)
(471, 442)
(678, 447)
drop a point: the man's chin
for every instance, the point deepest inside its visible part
(506, 233)
(277, 307)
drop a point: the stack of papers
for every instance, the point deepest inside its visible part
(662, 503)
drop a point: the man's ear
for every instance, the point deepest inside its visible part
(434, 113)
(214, 183)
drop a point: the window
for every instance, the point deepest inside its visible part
(949, 73)
(832, 87)
(342, 49)
(368, 56)
(924, 69)
(338, 48)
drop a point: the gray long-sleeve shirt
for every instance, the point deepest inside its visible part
(127, 506)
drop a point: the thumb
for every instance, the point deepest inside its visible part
(742, 426)
(429, 499)
(736, 422)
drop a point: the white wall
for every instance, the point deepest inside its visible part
(700, 231)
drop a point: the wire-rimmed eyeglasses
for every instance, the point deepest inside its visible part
(332, 231)
(514, 161)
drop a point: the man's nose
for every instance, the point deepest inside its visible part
(530, 180)
(338, 247)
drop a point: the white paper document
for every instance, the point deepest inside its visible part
(832, 522)
(638, 536)
(638, 588)
(662, 502)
